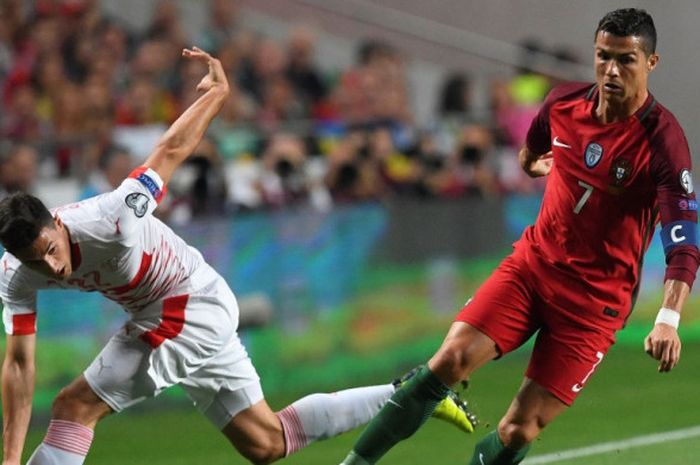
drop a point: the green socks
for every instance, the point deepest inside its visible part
(402, 415)
(491, 451)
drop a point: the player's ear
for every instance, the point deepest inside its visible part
(57, 222)
(652, 61)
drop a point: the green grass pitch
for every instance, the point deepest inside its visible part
(626, 398)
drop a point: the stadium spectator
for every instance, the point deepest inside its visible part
(475, 160)
(132, 86)
(198, 188)
(516, 102)
(375, 88)
(222, 27)
(115, 164)
(283, 179)
(302, 71)
(111, 64)
(455, 96)
(267, 61)
(144, 103)
(401, 173)
(279, 104)
(6, 37)
(18, 168)
(574, 275)
(183, 325)
(166, 25)
(438, 174)
(21, 120)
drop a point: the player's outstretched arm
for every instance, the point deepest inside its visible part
(663, 343)
(535, 165)
(17, 394)
(185, 133)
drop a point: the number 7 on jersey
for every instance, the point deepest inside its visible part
(584, 198)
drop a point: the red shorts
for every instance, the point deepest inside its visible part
(509, 309)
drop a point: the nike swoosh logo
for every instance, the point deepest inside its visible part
(391, 401)
(576, 387)
(558, 143)
(481, 458)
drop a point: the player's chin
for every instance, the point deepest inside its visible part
(614, 96)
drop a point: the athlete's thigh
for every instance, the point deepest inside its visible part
(119, 375)
(227, 383)
(502, 308)
(566, 354)
(162, 346)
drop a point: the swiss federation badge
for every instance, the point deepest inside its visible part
(593, 154)
(687, 181)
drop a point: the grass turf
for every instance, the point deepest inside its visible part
(626, 398)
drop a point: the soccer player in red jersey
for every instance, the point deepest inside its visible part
(617, 163)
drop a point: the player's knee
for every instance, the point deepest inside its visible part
(517, 435)
(451, 364)
(67, 406)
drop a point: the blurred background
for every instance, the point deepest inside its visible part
(359, 184)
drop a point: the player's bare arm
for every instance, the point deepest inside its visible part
(535, 165)
(17, 393)
(186, 132)
(663, 343)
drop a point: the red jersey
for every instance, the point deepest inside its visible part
(609, 186)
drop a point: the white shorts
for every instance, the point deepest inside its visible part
(190, 340)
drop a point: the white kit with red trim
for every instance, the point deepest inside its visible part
(183, 315)
(118, 249)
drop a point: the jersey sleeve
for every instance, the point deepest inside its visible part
(539, 136)
(134, 201)
(18, 301)
(671, 170)
(539, 139)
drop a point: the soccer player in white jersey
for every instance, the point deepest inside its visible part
(183, 316)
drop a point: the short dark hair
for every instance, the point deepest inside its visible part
(22, 217)
(630, 22)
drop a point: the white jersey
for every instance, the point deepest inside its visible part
(118, 249)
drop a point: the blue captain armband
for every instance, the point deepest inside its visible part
(679, 233)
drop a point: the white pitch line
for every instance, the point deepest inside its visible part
(603, 447)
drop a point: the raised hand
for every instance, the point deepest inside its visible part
(216, 77)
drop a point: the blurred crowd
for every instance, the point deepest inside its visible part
(85, 97)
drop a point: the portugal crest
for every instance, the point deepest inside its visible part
(593, 154)
(620, 171)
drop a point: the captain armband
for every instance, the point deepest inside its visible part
(679, 233)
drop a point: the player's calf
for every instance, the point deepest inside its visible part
(78, 403)
(263, 451)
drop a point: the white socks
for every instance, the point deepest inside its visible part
(314, 417)
(66, 443)
(321, 416)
